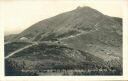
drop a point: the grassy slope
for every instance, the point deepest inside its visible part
(10, 37)
(11, 47)
(51, 56)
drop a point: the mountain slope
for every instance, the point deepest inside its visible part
(76, 34)
(64, 22)
(81, 19)
(56, 57)
(92, 27)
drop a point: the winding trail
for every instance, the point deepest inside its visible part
(7, 43)
(83, 32)
(35, 43)
(21, 49)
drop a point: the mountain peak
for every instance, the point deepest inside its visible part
(82, 18)
(87, 9)
(84, 7)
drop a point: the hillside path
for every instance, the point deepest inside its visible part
(7, 43)
(83, 32)
(21, 49)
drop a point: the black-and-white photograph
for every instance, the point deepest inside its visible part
(61, 38)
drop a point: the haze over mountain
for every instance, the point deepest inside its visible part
(73, 36)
